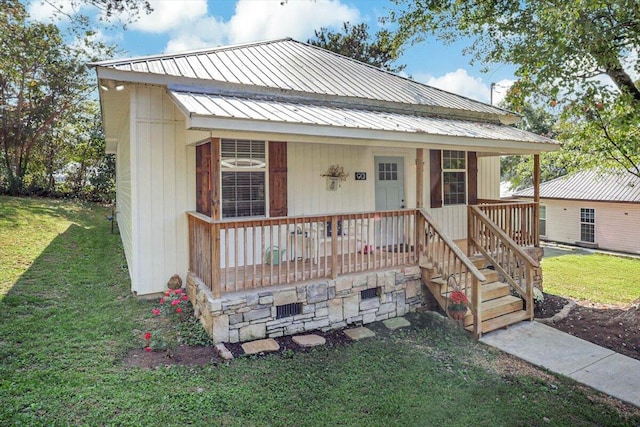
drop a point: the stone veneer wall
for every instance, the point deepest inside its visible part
(326, 304)
(536, 253)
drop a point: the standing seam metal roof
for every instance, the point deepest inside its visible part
(291, 65)
(591, 184)
(232, 107)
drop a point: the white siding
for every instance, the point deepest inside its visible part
(163, 190)
(617, 225)
(489, 177)
(123, 194)
(307, 194)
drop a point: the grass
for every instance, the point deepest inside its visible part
(67, 320)
(598, 278)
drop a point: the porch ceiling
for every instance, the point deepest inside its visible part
(223, 112)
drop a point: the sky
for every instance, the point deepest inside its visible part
(182, 25)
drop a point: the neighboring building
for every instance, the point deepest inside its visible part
(221, 162)
(591, 208)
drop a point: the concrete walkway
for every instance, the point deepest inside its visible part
(559, 352)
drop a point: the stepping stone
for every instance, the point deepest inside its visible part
(223, 352)
(396, 322)
(310, 340)
(260, 346)
(357, 334)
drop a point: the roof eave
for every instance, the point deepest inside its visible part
(321, 133)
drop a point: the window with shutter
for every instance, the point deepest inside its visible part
(243, 167)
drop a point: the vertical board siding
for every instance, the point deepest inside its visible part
(617, 225)
(164, 190)
(489, 177)
(123, 194)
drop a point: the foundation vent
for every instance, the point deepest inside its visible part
(369, 293)
(288, 310)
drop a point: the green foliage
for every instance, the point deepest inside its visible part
(578, 56)
(68, 319)
(355, 42)
(47, 121)
(598, 278)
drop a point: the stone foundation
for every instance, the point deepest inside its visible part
(325, 304)
(536, 253)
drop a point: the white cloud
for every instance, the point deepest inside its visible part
(41, 11)
(462, 83)
(168, 15)
(252, 21)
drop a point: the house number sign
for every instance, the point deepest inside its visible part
(361, 176)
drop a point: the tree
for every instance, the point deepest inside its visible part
(40, 80)
(130, 9)
(356, 43)
(578, 55)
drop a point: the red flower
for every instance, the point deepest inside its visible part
(178, 310)
(161, 300)
(175, 302)
(166, 294)
(147, 349)
(155, 311)
(178, 291)
(147, 336)
(185, 297)
(457, 297)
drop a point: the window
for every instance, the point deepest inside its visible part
(543, 220)
(243, 165)
(587, 225)
(388, 171)
(454, 172)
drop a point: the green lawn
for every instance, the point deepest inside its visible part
(67, 319)
(597, 278)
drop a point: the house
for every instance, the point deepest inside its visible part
(223, 157)
(592, 208)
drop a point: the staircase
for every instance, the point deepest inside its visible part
(498, 308)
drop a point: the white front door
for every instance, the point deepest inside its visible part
(389, 190)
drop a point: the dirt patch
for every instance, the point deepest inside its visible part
(181, 355)
(614, 327)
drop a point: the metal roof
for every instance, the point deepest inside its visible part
(289, 65)
(231, 107)
(591, 184)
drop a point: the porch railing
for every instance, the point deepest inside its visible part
(237, 255)
(449, 262)
(519, 220)
(505, 254)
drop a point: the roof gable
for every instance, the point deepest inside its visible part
(592, 185)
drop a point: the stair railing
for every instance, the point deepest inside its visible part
(439, 253)
(507, 257)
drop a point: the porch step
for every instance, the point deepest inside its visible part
(501, 321)
(488, 291)
(495, 308)
(478, 261)
(490, 274)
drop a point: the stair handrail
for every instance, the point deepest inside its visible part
(460, 259)
(511, 247)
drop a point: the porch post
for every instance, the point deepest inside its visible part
(536, 200)
(419, 199)
(419, 178)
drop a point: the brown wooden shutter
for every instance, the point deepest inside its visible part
(216, 178)
(277, 179)
(435, 177)
(203, 179)
(472, 174)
